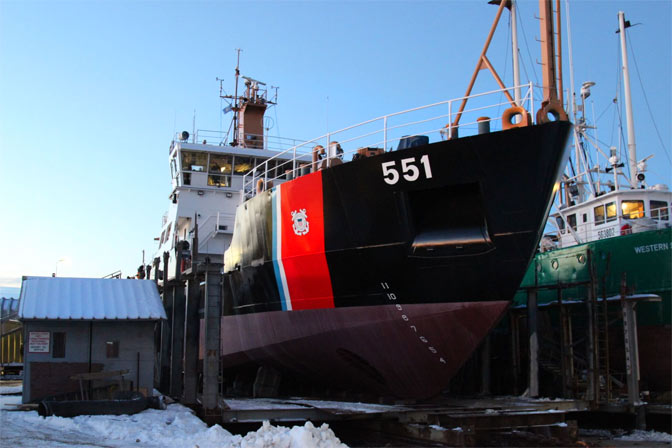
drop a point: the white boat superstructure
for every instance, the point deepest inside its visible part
(615, 213)
(601, 201)
(207, 179)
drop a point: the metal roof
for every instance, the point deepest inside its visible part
(89, 299)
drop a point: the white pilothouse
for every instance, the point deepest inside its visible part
(207, 178)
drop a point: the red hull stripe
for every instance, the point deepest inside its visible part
(299, 242)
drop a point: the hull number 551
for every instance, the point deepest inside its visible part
(409, 170)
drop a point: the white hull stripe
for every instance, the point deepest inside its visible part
(278, 267)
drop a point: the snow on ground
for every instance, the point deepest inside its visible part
(622, 438)
(9, 390)
(647, 436)
(177, 426)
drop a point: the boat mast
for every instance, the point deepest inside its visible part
(236, 107)
(514, 44)
(550, 60)
(582, 169)
(632, 149)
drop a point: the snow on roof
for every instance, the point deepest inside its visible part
(89, 299)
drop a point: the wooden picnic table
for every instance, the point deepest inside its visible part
(81, 377)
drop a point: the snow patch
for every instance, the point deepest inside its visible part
(9, 390)
(175, 427)
(306, 436)
(647, 436)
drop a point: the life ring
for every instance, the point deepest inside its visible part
(553, 108)
(260, 186)
(507, 118)
(626, 229)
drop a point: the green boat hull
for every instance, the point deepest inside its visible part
(646, 260)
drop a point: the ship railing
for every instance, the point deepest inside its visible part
(386, 133)
(219, 138)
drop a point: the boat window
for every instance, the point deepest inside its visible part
(585, 217)
(194, 161)
(571, 220)
(242, 165)
(259, 161)
(220, 164)
(283, 168)
(215, 180)
(599, 214)
(270, 167)
(561, 223)
(611, 211)
(659, 210)
(186, 178)
(173, 169)
(632, 209)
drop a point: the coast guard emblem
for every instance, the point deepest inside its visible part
(300, 220)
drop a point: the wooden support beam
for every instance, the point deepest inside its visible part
(177, 341)
(191, 340)
(213, 315)
(533, 381)
(631, 345)
(165, 327)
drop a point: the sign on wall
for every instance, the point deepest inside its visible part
(38, 342)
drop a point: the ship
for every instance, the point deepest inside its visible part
(388, 250)
(377, 257)
(614, 226)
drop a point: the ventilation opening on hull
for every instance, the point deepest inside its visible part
(449, 221)
(361, 364)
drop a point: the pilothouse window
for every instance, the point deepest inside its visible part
(632, 209)
(219, 170)
(605, 213)
(659, 210)
(611, 211)
(243, 165)
(194, 161)
(598, 212)
(561, 223)
(220, 164)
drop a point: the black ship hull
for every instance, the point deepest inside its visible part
(453, 222)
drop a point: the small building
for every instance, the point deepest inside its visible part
(87, 325)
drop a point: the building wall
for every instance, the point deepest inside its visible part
(51, 375)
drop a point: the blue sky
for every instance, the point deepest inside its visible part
(91, 93)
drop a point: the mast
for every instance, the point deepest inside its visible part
(514, 44)
(632, 149)
(552, 78)
(236, 107)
